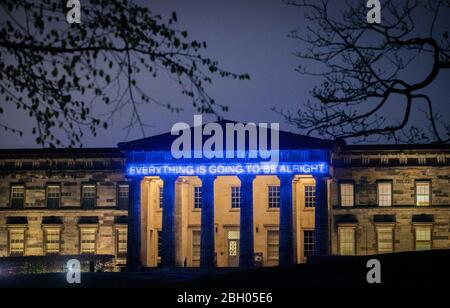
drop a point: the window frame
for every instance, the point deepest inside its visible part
(347, 227)
(83, 185)
(277, 197)
(95, 231)
(15, 185)
(47, 187)
(305, 256)
(378, 228)
(198, 197)
(346, 182)
(380, 182)
(235, 196)
(421, 181)
(428, 227)
(269, 257)
(121, 204)
(311, 197)
(46, 230)
(17, 229)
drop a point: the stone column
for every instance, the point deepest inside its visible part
(207, 247)
(321, 234)
(168, 221)
(286, 245)
(134, 227)
(246, 241)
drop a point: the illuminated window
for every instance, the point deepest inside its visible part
(123, 195)
(423, 238)
(121, 243)
(235, 197)
(196, 245)
(423, 193)
(17, 196)
(88, 196)
(17, 242)
(347, 241)
(274, 197)
(53, 196)
(384, 193)
(310, 196)
(308, 243)
(347, 194)
(197, 197)
(385, 240)
(52, 241)
(87, 241)
(272, 244)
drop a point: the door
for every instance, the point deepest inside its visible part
(233, 248)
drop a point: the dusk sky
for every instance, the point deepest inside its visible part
(245, 36)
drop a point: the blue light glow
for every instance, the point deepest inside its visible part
(227, 169)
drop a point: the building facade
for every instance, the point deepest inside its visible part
(138, 204)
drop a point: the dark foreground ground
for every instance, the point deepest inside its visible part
(417, 269)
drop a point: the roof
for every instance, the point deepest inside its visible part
(287, 140)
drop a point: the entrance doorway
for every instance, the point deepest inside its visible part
(233, 248)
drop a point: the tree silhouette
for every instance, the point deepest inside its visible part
(365, 68)
(58, 73)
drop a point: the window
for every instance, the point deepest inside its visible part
(308, 243)
(159, 245)
(161, 197)
(121, 243)
(385, 240)
(347, 241)
(310, 196)
(53, 196)
(52, 241)
(423, 238)
(17, 196)
(123, 196)
(384, 193)
(274, 197)
(17, 242)
(347, 194)
(197, 197)
(88, 196)
(196, 245)
(235, 197)
(423, 193)
(87, 241)
(272, 244)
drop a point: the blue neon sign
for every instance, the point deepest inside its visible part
(227, 169)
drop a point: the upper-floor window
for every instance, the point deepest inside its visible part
(423, 193)
(235, 197)
(310, 196)
(123, 195)
(197, 197)
(88, 195)
(384, 193)
(53, 196)
(274, 197)
(161, 196)
(346, 241)
(347, 194)
(17, 196)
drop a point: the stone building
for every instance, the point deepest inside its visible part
(319, 198)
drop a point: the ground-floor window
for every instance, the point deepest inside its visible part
(308, 243)
(121, 243)
(272, 245)
(88, 240)
(17, 242)
(52, 240)
(423, 238)
(159, 245)
(385, 240)
(196, 245)
(346, 241)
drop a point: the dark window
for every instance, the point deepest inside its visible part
(88, 196)
(197, 197)
(161, 197)
(123, 196)
(308, 243)
(53, 196)
(274, 197)
(310, 195)
(235, 197)
(159, 233)
(17, 196)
